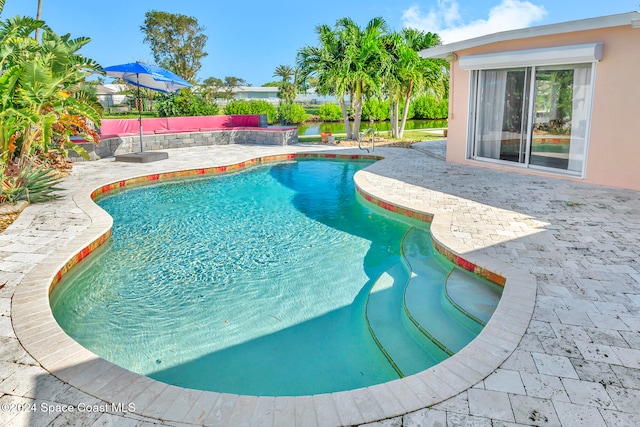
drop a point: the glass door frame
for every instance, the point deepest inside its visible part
(530, 79)
(473, 152)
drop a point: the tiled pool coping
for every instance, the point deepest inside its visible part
(41, 336)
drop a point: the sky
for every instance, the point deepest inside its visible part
(249, 39)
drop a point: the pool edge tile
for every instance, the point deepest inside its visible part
(346, 407)
(264, 414)
(325, 411)
(285, 411)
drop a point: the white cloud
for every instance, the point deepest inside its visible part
(445, 19)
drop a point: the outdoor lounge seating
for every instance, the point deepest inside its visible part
(122, 136)
(114, 128)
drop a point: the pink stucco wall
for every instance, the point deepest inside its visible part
(613, 156)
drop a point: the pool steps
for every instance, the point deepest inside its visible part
(412, 317)
(486, 298)
(397, 337)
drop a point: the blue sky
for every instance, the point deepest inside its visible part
(249, 39)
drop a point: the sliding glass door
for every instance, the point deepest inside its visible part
(502, 115)
(533, 116)
(562, 106)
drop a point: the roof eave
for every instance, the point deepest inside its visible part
(621, 19)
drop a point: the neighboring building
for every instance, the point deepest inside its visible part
(110, 95)
(256, 92)
(270, 94)
(560, 99)
(312, 97)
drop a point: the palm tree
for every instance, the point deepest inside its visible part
(324, 64)
(348, 61)
(285, 72)
(365, 61)
(408, 73)
(38, 16)
(287, 89)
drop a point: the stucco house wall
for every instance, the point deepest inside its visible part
(613, 154)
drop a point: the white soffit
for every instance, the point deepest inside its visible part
(619, 20)
(575, 54)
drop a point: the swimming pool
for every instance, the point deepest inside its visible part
(213, 283)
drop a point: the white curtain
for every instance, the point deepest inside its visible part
(491, 113)
(579, 117)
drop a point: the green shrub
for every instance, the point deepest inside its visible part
(375, 109)
(260, 106)
(237, 106)
(429, 107)
(255, 106)
(330, 113)
(185, 103)
(292, 113)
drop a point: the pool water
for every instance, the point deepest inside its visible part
(253, 283)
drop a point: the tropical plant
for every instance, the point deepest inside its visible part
(287, 89)
(292, 113)
(348, 61)
(330, 113)
(255, 106)
(365, 61)
(33, 184)
(176, 41)
(16, 41)
(285, 72)
(407, 73)
(185, 103)
(42, 103)
(323, 63)
(41, 97)
(430, 107)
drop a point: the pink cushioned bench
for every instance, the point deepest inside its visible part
(130, 127)
(252, 121)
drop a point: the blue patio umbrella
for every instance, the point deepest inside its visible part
(149, 77)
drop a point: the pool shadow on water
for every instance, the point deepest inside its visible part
(341, 356)
(340, 208)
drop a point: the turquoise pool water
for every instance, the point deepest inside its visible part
(256, 283)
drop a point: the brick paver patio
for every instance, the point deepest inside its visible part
(578, 363)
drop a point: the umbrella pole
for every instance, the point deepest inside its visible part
(139, 110)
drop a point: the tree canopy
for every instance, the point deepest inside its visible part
(287, 88)
(349, 60)
(408, 73)
(176, 41)
(370, 62)
(214, 87)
